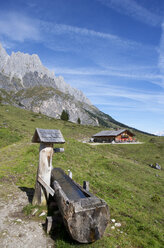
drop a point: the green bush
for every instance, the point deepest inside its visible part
(64, 115)
(78, 121)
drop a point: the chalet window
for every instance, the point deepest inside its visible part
(124, 136)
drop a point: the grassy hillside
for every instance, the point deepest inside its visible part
(33, 97)
(117, 173)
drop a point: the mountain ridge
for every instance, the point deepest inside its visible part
(19, 65)
(26, 83)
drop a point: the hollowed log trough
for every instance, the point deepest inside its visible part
(85, 216)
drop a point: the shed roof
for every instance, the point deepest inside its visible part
(111, 133)
(48, 136)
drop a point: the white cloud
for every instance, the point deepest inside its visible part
(133, 9)
(18, 27)
(103, 49)
(130, 101)
(137, 72)
(104, 93)
(130, 93)
(159, 133)
(61, 29)
(108, 94)
(161, 57)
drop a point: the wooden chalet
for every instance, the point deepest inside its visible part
(121, 135)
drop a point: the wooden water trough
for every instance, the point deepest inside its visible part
(85, 216)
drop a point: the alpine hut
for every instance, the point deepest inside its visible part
(108, 136)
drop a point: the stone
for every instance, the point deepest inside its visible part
(19, 220)
(155, 166)
(42, 214)
(117, 224)
(34, 211)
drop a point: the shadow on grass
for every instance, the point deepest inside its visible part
(58, 231)
(29, 193)
(60, 235)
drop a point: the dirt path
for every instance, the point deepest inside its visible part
(125, 143)
(17, 230)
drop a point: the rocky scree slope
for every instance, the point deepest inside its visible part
(26, 83)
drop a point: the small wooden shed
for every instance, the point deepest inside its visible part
(48, 136)
(108, 136)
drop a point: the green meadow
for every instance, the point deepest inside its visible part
(119, 174)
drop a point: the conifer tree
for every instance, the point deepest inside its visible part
(64, 115)
(78, 121)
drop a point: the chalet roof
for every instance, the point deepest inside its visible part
(111, 133)
(48, 136)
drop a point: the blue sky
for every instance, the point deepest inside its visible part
(112, 50)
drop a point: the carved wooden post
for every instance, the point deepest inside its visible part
(44, 171)
(46, 138)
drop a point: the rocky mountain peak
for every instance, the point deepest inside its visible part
(28, 71)
(3, 57)
(18, 64)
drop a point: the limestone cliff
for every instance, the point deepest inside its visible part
(26, 70)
